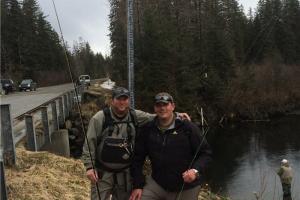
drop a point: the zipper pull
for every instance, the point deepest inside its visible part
(164, 141)
(127, 150)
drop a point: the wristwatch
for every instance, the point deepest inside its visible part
(196, 173)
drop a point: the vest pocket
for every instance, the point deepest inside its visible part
(116, 150)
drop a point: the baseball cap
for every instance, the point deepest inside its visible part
(163, 97)
(120, 91)
(284, 161)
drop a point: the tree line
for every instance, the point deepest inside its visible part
(31, 48)
(206, 53)
(210, 54)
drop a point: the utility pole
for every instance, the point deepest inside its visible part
(130, 51)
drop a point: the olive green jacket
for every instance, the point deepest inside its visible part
(285, 174)
(95, 133)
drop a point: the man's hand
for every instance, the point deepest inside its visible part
(189, 176)
(136, 194)
(92, 175)
(184, 116)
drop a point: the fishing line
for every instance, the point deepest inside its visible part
(269, 26)
(76, 94)
(267, 36)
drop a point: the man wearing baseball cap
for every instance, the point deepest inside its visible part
(178, 153)
(111, 135)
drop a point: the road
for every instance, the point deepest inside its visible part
(21, 102)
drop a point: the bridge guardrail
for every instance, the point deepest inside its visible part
(51, 122)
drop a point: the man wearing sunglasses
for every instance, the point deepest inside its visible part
(111, 136)
(178, 153)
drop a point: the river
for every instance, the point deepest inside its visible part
(247, 157)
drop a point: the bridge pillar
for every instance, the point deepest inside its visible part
(30, 133)
(54, 116)
(4, 110)
(45, 122)
(66, 111)
(61, 112)
(2, 179)
(72, 98)
(6, 137)
(69, 101)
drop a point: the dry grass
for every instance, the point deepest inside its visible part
(42, 175)
(206, 194)
(89, 110)
(45, 176)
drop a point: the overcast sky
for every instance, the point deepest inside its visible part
(89, 19)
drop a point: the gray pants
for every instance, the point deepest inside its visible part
(117, 185)
(153, 191)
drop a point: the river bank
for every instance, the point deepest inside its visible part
(247, 156)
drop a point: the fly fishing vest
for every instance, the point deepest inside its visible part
(115, 145)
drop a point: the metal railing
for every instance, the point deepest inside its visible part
(25, 125)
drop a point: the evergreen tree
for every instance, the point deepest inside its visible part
(290, 40)
(118, 40)
(11, 37)
(86, 62)
(29, 48)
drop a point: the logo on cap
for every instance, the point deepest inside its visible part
(120, 91)
(163, 97)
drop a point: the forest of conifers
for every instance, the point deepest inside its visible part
(31, 48)
(210, 54)
(206, 53)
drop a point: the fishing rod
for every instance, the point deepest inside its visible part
(178, 196)
(77, 99)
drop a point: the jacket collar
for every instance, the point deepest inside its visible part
(178, 122)
(116, 118)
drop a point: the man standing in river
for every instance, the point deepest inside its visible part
(285, 174)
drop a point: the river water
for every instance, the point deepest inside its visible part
(247, 157)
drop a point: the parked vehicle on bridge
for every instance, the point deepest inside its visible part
(8, 85)
(27, 84)
(84, 79)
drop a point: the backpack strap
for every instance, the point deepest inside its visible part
(134, 119)
(108, 121)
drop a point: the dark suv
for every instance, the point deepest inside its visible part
(27, 84)
(8, 85)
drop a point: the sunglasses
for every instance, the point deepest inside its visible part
(122, 90)
(163, 98)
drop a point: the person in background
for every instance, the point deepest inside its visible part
(286, 177)
(178, 152)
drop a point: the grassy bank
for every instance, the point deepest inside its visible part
(45, 176)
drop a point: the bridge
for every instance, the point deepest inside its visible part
(23, 112)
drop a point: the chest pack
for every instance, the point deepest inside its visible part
(115, 145)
